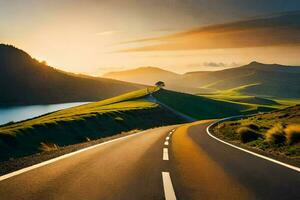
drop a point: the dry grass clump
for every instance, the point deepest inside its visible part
(48, 146)
(252, 126)
(119, 119)
(276, 134)
(247, 134)
(292, 132)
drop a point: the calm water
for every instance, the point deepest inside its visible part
(18, 113)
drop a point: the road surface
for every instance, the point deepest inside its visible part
(157, 164)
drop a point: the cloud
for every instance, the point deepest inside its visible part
(219, 64)
(212, 65)
(104, 33)
(274, 30)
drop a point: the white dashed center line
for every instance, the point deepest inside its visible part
(166, 143)
(168, 187)
(167, 138)
(165, 154)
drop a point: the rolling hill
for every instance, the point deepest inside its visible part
(264, 80)
(130, 111)
(24, 80)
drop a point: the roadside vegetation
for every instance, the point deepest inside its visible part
(276, 132)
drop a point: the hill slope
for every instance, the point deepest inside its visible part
(263, 79)
(24, 80)
(276, 133)
(200, 107)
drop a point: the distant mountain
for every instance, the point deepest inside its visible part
(259, 79)
(24, 80)
(150, 75)
(143, 75)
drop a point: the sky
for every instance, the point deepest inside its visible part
(94, 37)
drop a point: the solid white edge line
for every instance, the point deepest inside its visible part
(168, 186)
(26, 169)
(250, 152)
(165, 154)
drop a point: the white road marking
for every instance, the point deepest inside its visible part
(252, 153)
(167, 138)
(165, 154)
(168, 187)
(166, 143)
(21, 171)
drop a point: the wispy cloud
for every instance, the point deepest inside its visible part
(211, 65)
(276, 30)
(104, 33)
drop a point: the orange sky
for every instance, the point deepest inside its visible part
(92, 36)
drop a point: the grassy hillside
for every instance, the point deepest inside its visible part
(24, 80)
(206, 108)
(236, 95)
(276, 132)
(91, 121)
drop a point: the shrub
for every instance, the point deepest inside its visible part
(247, 134)
(292, 133)
(276, 134)
(252, 126)
(48, 146)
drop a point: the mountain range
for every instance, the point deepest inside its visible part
(268, 80)
(24, 80)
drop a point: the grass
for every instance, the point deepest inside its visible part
(48, 147)
(237, 95)
(292, 132)
(276, 134)
(279, 131)
(202, 107)
(247, 134)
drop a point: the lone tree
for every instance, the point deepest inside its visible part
(160, 84)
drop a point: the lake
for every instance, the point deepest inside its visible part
(18, 113)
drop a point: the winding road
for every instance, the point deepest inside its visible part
(173, 162)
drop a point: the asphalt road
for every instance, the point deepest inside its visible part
(157, 164)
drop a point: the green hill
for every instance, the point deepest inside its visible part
(265, 80)
(201, 107)
(24, 80)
